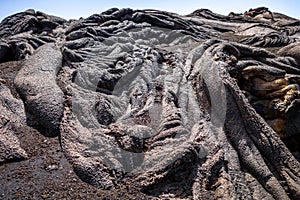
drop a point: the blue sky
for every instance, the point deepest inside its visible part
(73, 9)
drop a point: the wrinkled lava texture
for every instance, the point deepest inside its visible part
(147, 104)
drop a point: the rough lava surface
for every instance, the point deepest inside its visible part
(148, 104)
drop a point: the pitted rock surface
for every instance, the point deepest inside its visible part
(36, 84)
(201, 106)
(11, 119)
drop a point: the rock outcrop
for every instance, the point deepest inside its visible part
(36, 84)
(202, 106)
(12, 117)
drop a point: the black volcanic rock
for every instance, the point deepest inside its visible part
(201, 106)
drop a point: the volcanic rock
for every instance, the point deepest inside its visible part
(12, 117)
(201, 106)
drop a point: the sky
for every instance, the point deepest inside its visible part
(74, 9)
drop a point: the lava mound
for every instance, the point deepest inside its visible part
(200, 106)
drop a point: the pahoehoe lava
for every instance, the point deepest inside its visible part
(198, 106)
